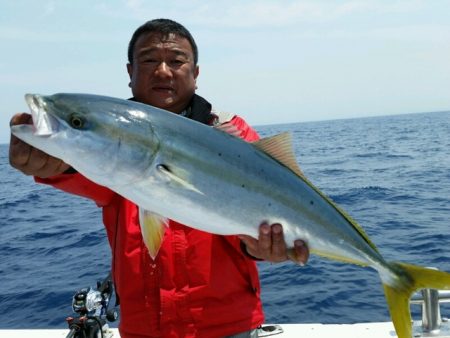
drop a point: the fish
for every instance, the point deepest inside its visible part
(175, 168)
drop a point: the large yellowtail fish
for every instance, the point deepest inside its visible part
(176, 168)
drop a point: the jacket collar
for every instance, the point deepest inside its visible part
(198, 109)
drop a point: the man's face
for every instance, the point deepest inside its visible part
(163, 73)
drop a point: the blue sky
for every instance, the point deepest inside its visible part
(269, 61)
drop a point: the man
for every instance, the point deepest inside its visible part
(199, 285)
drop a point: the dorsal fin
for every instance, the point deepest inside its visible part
(280, 148)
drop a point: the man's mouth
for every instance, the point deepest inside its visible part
(163, 88)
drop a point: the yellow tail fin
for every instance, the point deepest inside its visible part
(398, 296)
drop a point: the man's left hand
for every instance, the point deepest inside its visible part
(270, 246)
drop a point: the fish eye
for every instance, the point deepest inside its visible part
(76, 121)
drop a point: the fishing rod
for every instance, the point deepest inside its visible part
(91, 306)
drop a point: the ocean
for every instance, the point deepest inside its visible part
(391, 174)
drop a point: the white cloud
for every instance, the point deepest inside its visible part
(48, 9)
(134, 5)
(44, 35)
(233, 13)
(429, 33)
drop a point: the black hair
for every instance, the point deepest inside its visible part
(163, 27)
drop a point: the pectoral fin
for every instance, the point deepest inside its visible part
(152, 228)
(165, 171)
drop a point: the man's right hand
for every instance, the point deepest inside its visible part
(29, 160)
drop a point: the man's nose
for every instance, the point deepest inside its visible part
(163, 70)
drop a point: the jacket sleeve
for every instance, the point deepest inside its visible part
(77, 184)
(247, 133)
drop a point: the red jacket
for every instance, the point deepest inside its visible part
(200, 285)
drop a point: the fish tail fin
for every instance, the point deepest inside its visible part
(412, 278)
(153, 227)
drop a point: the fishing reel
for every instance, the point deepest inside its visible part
(91, 305)
(87, 301)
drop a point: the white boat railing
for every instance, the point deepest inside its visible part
(432, 324)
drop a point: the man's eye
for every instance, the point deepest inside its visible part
(177, 62)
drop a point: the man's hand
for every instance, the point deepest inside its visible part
(271, 247)
(29, 160)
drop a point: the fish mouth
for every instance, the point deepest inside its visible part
(44, 123)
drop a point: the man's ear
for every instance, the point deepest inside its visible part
(196, 71)
(130, 70)
(130, 73)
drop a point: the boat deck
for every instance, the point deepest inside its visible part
(360, 330)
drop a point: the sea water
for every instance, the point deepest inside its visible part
(391, 174)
